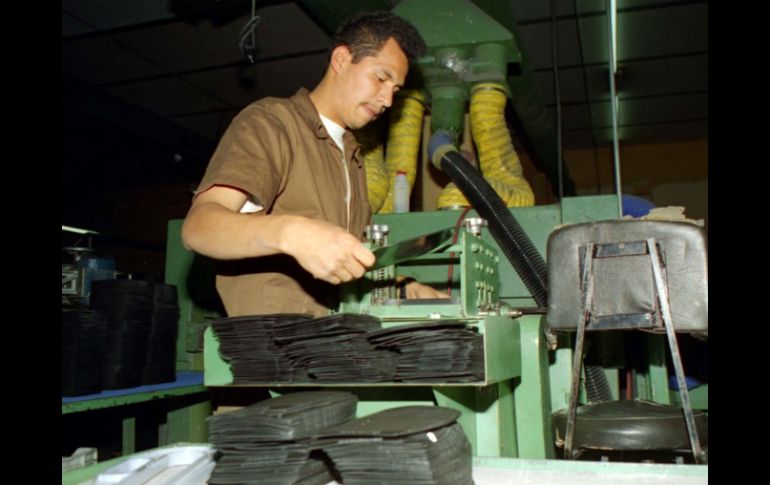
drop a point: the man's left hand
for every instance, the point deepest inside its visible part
(416, 290)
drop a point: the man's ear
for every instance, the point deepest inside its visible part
(341, 56)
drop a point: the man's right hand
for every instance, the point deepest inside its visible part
(326, 251)
(215, 228)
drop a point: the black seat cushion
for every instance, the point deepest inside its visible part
(630, 425)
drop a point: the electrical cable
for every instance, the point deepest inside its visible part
(248, 41)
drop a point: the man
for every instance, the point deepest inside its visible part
(283, 201)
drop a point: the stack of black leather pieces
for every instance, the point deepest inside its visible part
(270, 442)
(348, 348)
(406, 445)
(160, 365)
(128, 305)
(336, 349)
(83, 337)
(312, 438)
(445, 351)
(249, 344)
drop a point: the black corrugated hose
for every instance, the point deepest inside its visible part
(597, 385)
(506, 231)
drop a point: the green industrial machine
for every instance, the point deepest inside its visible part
(508, 413)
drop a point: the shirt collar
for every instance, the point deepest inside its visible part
(307, 110)
(309, 113)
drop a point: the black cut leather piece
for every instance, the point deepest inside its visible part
(390, 423)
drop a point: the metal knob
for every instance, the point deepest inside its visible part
(474, 225)
(377, 233)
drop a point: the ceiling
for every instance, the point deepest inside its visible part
(150, 85)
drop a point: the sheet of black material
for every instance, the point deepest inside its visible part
(83, 336)
(269, 442)
(348, 348)
(446, 351)
(128, 305)
(316, 471)
(409, 445)
(248, 343)
(340, 323)
(290, 417)
(335, 349)
(277, 463)
(441, 456)
(160, 365)
(393, 423)
(342, 358)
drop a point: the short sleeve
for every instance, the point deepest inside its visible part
(253, 156)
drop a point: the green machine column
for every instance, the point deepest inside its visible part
(129, 435)
(512, 417)
(448, 112)
(187, 423)
(490, 62)
(532, 394)
(487, 416)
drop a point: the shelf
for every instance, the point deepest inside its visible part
(185, 383)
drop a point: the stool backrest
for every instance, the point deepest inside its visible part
(624, 294)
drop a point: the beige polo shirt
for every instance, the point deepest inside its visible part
(279, 153)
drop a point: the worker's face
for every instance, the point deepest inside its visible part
(366, 88)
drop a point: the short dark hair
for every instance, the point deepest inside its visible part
(365, 33)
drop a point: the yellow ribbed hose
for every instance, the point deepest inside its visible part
(373, 155)
(403, 140)
(497, 158)
(451, 198)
